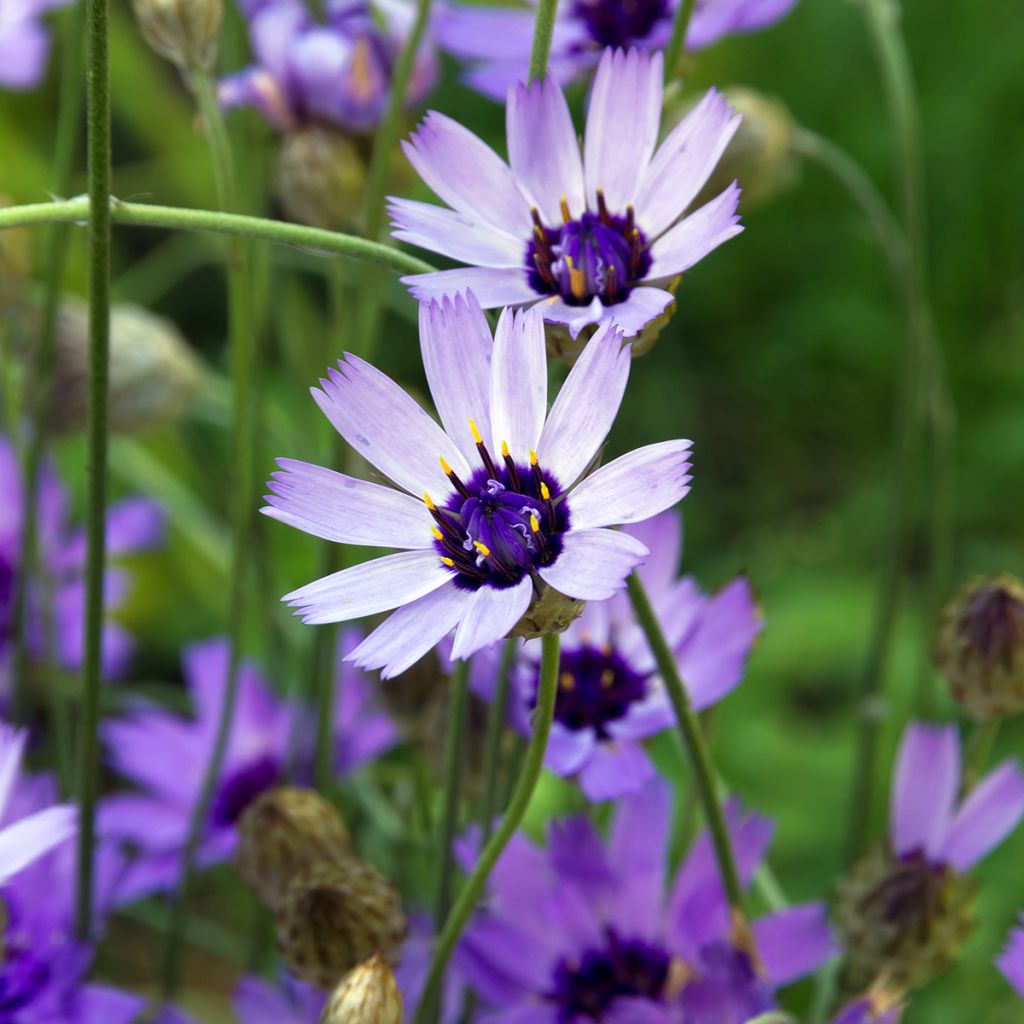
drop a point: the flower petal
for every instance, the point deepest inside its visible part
(12, 750)
(31, 837)
(489, 615)
(493, 286)
(697, 235)
(793, 942)
(519, 383)
(585, 408)
(617, 769)
(369, 588)
(1011, 960)
(453, 234)
(568, 749)
(925, 784)
(990, 813)
(593, 564)
(341, 508)
(714, 20)
(633, 487)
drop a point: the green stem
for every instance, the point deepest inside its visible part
(979, 749)
(218, 222)
(543, 29)
(492, 739)
(677, 41)
(474, 886)
(693, 741)
(99, 175)
(243, 374)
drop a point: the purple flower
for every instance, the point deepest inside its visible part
(257, 1001)
(588, 239)
(928, 829)
(155, 821)
(1011, 960)
(509, 509)
(610, 696)
(498, 41)
(583, 931)
(134, 524)
(337, 70)
(874, 1008)
(24, 42)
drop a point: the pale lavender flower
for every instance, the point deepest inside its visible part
(498, 40)
(587, 239)
(610, 695)
(337, 70)
(489, 511)
(1011, 960)
(584, 930)
(24, 42)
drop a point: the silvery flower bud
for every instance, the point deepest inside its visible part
(285, 833)
(334, 917)
(980, 646)
(368, 994)
(184, 32)
(904, 920)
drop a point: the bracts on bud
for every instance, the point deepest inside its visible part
(184, 32)
(368, 994)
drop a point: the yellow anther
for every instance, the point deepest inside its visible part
(567, 680)
(544, 492)
(477, 439)
(534, 523)
(444, 465)
(430, 504)
(577, 279)
(533, 457)
(437, 533)
(607, 678)
(566, 215)
(504, 450)
(482, 548)
(448, 562)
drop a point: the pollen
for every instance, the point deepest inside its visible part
(567, 680)
(437, 533)
(505, 453)
(447, 561)
(533, 457)
(444, 465)
(477, 439)
(482, 548)
(544, 492)
(534, 524)
(577, 279)
(607, 678)
(429, 503)
(566, 215)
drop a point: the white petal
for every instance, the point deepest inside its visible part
(453, 234)
(490, 614)
(31, 837)
(593, 564)
(519, 383)
(693, 238)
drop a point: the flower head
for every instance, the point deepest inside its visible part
(498, 41)
(1011, 960)
(24, 42)
(490, 511)
(588, 239)
(336, 71)
(610, 696)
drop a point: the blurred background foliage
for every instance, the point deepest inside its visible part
(780, 364)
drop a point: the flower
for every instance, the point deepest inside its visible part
(1011, 960)
(583, 931)
(337, 70)
(24, 42)
(155, 821)
(611, 697)
(498, 41)
(905, 911)
(490, 511)
(870, 1010)
(134, 524)
(587, 240)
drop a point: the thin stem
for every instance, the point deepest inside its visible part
(543, 29)
(492, 739)
(493, 849)
(218, 222)
(677, 41)
(458, 705)
(693, 741)
(243, 375)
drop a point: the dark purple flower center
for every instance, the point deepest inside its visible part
(23, 975)
(912, 895)
(506, 520)
(993, 624)
(598, 255)
(596, 687)
(623, 967)
(620, 22)
(726, 989)
(240, 788)
(6, 599)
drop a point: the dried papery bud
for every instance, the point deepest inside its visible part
(184, 32)
(153, 372)
(550, 612)
(320, 177)
(368, 994)
(285, 833)
(980, 646)
(902, 918)
(336, 916)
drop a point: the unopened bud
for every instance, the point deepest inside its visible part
(368, 994)
(320, 178)
(285, 833)
(336, 916)
(903, 919)
(551, 612)
(980, 646)
(184, 32)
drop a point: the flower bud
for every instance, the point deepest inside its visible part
(551, 612)
(184, 32)
(334, 917)
(903, 919)
(368, 994)
(980, 646)
(320, 178)
(284, 833)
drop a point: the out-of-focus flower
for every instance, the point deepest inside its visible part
(586, 239)
(337, 71)
(368, 994)
(155, 822)
(55, 606)
(980, 645)
(256, 1001)
(879, 1006)
(498, 40)
(488, 511)
(184, 32)
(905, 911)
(1011, 960)
(584, 929)
(610, 696)
(24, 42)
